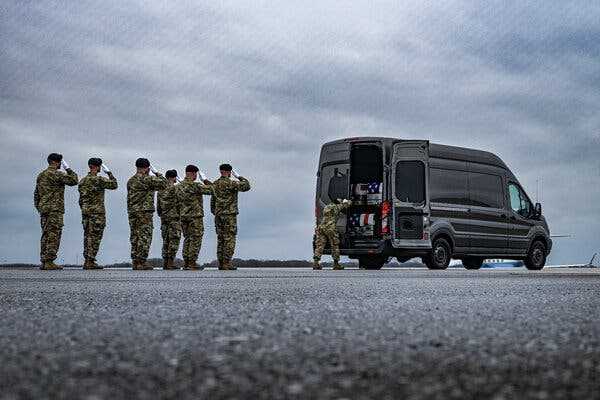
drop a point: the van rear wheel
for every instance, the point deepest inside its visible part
(536, 258)
(375, 262)
(472, 262)
(439, 257)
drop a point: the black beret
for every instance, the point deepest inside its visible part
(142, 163)
(191, 168)
(95, 161)
(55, 157)
(225, 167)
(171, 173)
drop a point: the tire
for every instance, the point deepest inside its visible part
(375, 262)
(536, 258)
(440, 255)
(472, 262)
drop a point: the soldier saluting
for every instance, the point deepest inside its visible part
(49, 201)
(93, 212)
(224, 206)
(169, 210)
(192, 214)
(140, 207)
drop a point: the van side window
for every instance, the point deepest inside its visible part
(448, 186)
(334, 183)
(518, 201)
(485, 190)
(410, 181)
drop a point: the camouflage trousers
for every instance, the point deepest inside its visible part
(52, 224)
(226, 227)
(324, 236)
(170, 230)
(193, 231)
(93, 230)
(140, 227)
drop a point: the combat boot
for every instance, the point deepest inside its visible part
(337, 266)
(145, 266)
(192, 266)
(137, 265)
(168, 263)
(227, 266)
(49, 266)
(317, 266)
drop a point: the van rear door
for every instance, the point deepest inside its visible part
(409, 192)
(333, 180)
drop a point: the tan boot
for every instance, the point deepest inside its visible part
(137, 265)
(317, 265)
(90, 264)
(192, 266)
(167, 263)
(50, 266)
(145, 266)
(337, 266)
(227, 266)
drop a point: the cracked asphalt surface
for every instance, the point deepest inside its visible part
(275, 334)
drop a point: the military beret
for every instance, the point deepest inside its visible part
(55, 157)
(225, 167)
(171, 173)
(142, 163)
(191, 168)
(95, 161)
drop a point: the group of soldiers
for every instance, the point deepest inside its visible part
(180, 207)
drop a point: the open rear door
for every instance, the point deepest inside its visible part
(334, 174)
(409, 193)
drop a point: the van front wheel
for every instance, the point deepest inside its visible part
(439, 258)
(372, 262)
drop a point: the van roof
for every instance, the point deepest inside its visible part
(437, 150)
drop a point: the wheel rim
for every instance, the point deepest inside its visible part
(440, 255)
(537, 257)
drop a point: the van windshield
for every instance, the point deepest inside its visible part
(410, 182)
(334, 182)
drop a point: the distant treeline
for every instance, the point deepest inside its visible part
(251, 263)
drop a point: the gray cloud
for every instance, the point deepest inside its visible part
(264, 85)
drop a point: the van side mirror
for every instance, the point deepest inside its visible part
(537, 210)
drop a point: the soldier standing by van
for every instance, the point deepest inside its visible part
(168, 209)
(326, 231)
(192, 215)
(49, 201)
(140, 207)
(93, 212)
(224, 206)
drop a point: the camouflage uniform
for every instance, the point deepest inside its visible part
(192, 217)
(49, 200)
(168, 209)
(93, 212)
(224, 206)
(327, 231)
(140, 206)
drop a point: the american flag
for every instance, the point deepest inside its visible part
(357, 220)
(373, 188)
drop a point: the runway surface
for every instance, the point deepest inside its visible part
(267, 334)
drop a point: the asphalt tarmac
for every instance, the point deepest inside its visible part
(279, 334)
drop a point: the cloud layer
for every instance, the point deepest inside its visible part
(263, 85)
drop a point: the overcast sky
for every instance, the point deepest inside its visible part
(263, 84)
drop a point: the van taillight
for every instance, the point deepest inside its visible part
(386, 211)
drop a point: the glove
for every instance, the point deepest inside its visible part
(345, 201)
(202, 176)
(64, 165)
(154, 171)
(105, 168)
(178, 179)
(235, 174)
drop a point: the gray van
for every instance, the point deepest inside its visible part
(412, 198)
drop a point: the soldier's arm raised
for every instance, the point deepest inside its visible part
(205, 189)
(158, 182)
(70, 178)
(243, 185)
(110, 183)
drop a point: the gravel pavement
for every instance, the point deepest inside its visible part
(300, 334)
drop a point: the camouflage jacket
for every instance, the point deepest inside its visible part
(331, 214)
(168, 203)
(91, 193)
(225, 195)
(190, 195)
(140, 192)
(49, 195)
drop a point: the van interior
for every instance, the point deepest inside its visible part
(366, 191)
